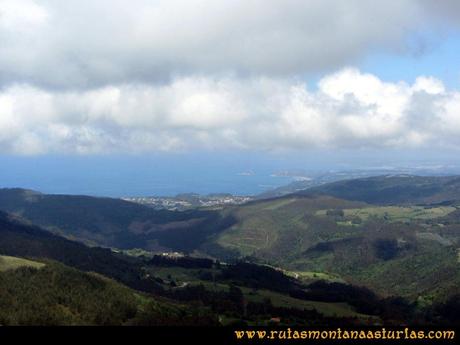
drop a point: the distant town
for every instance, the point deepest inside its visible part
(191, 200)
(301, 180)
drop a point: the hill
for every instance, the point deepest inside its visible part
(37, 290)
(402, 227)
(59, 295)
(323, 237)
(201, 288)
(22, 240)
(112, 222)
(390, 189)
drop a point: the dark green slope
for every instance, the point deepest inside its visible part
(113, 222)
(402, 189)
(59, 295)
(17, 239)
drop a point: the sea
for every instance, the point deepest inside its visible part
(139, 175)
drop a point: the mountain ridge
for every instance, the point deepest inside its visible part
(396, 189)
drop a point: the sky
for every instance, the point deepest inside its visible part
(235, 85)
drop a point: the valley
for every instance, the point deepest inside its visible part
(359, 251)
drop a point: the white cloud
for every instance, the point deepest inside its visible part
(348, 109)
(87, 44)
(449, 115)
(21, 16)
(81, 76)
(429, 85)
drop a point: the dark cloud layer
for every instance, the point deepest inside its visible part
(85, 43)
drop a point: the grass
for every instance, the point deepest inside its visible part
(12, 263)
(252, 234)
(278, 204)
(281, 232)
(324, 308)
(400, 214)
(322, 263)
(280, 300)
(268, 226)
(308, 276)
(182, 275)
(274, 228)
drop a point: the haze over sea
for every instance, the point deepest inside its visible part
(239, 173)
(138, 176)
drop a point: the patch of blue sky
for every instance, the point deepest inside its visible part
(427, 55)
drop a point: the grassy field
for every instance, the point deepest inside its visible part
(12, 263)
(309, 276)
(394, 213)
(183, 277)
(280, 300)
(305, 276)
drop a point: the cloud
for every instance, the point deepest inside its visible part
(140, 76)
(21, 16)
(445, 10)
(86, 44)
(347, 109)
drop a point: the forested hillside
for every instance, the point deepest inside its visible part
(113, 222)
(58, 295)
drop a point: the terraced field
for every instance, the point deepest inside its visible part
(280, 227)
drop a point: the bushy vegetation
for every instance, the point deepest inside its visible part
(239, 294)
(58, 295)
(257, 277)
(21, 240)
(233, 304)
(113, 222)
